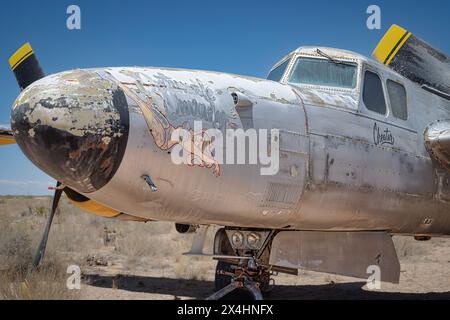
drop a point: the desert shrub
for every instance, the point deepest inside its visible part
(40, 211)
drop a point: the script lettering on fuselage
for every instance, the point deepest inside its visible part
(382, 137)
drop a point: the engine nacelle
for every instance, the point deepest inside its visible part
(91, 206)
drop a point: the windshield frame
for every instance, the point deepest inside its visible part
(345, 60)
(287, 70)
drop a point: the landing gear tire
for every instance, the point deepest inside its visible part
(223, 280)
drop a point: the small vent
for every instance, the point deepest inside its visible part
(282, 194)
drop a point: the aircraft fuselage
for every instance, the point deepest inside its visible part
(341, 166)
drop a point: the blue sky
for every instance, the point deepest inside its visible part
(243, 37)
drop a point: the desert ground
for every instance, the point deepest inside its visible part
(135, 260)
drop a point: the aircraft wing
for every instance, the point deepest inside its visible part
(416, 60)
(6, 135)
(427, 66)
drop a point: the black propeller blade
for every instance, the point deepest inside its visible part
(43, 244)
(25, 66)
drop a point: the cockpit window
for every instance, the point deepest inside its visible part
(397, 97)
(277, 73)
(373, 94)
(324, 72)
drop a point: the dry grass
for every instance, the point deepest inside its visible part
(48, 283)
(192, 269)
(142, 240)
(16, 281)
(22, 220)
(85, 240)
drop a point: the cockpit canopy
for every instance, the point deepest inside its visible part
(317, 67)
(343, 79)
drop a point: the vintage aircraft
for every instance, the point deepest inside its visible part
(363, 153)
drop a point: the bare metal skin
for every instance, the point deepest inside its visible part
(342, 167)
(346, 180)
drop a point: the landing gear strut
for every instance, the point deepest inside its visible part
(247, 276)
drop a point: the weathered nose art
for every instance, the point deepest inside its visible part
(163, 131)
(153, 106)
(74, 126)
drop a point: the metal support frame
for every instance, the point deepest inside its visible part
(243, 282)
(249, 274)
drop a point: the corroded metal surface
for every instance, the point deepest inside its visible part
(74, 126)
(423, 64)
(208, 97)
(342, 167)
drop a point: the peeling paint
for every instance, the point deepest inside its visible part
(80, 120)
(85, 112)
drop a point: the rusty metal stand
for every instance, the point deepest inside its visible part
(239, 283)
(246, 275)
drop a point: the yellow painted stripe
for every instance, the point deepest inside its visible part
(20, 55)
(398, 48)
(387, 44)
(7, 140)
(96, 208)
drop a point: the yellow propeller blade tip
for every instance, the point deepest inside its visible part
(20, 55)
(391, 42)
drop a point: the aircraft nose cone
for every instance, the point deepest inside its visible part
(74, 126)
